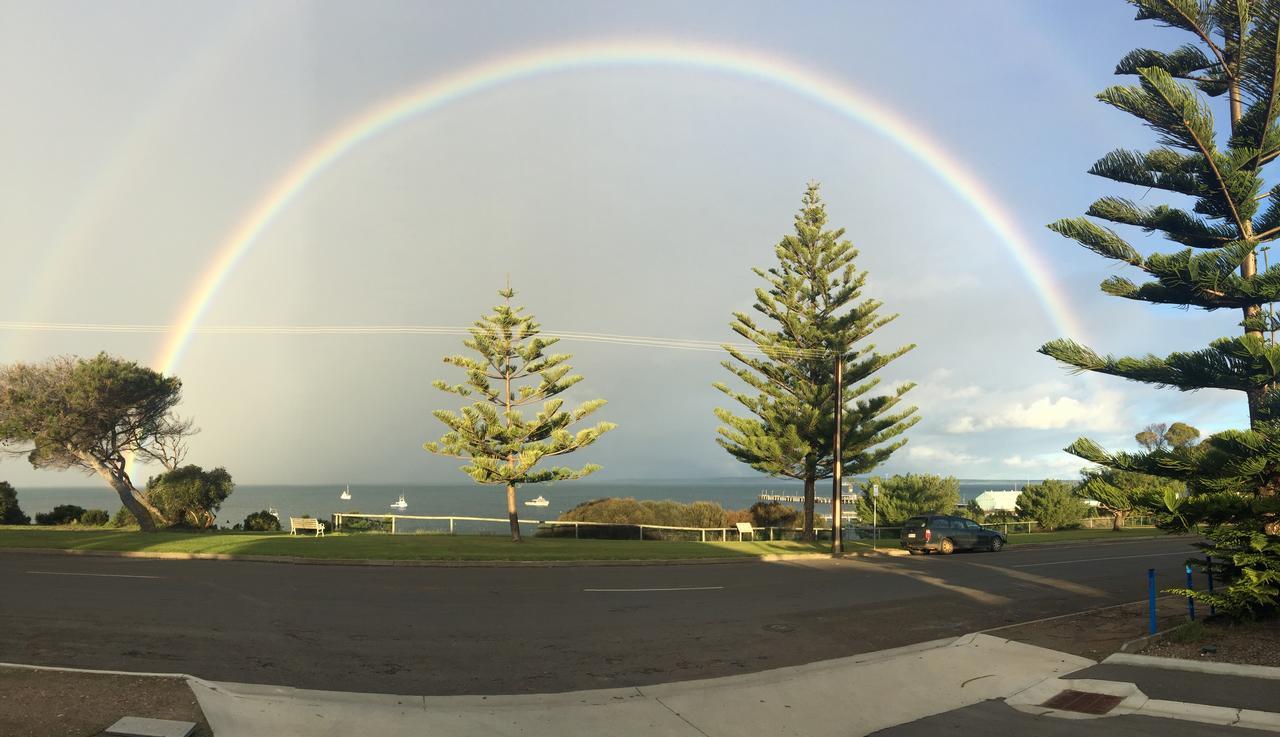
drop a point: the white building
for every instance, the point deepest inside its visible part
(998, 501)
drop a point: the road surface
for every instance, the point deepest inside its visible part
(529, 630)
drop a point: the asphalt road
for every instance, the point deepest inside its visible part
(442, 631)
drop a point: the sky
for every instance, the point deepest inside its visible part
(625, 199)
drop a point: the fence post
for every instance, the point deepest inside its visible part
(575, 530)
(642, 532)
(1191, 603)
(393, 524)
(1151, 601)
(1209, 570)
(450, 525)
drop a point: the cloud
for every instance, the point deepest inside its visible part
(941, 455)
(1046, 464)
(1102, 412)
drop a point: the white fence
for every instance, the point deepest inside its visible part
(717, 533)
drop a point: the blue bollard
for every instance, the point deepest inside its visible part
(1151, 604)
(1209, 570)
(1191, 603)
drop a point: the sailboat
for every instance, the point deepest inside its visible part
(400, 503)
(346, 493)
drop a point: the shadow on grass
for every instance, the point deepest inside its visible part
(383, 547)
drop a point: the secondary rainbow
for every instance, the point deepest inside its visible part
(504, 70)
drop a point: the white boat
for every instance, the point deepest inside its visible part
(346, 493)
(272, 511)
(541, 501)
(400, 503)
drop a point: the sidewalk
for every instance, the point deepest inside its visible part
(848, 696)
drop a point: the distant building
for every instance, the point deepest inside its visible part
(998, 501)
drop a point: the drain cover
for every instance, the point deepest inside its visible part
(1083, 702)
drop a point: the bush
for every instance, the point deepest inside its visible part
(263, 521)
(63, 514)
(773, 514)
(10, 512)
(365, 524)
(190, 495)
(123, 518)
(95, 517)
(629, 511)
(906, 496)
(1053, 504)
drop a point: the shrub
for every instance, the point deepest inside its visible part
(95, 517)
(773, 514)
(10, 512)
(190, 495)
(629, 511)
(263, 521)
(365, 524)
(63, 514)
(123, 518)
(906, 496)
(1052, 503)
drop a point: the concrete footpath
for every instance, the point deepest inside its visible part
(848, 696)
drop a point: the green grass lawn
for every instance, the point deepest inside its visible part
(387, 547)
(1026, 538)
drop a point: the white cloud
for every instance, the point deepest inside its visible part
(941, 455)
(1101, 412)
(1047, 464)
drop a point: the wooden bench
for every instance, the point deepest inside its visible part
(305, 523)
(745, 528)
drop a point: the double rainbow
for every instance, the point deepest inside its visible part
(437, 93)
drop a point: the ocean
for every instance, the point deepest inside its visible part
(463, 500)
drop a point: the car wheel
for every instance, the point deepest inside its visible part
(947, 546)
(996, 544)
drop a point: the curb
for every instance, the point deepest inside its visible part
(1266, 672)
(373, 562)
(1131, 647)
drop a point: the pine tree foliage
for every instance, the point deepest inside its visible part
(1234, 53)
(514, 371)
(812, 312)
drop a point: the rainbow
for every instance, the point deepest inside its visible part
(437, 93)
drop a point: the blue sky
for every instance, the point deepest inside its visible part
(620, 200)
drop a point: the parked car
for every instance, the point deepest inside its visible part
(946, 534)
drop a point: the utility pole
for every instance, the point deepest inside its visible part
(837, 514)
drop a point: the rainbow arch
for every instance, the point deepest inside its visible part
(437, 93)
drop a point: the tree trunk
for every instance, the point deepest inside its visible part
(511, 513)
(1117, 520)
(131, 498)
(809, 484)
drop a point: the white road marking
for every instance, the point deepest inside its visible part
(681, 588)
(1185, 554)
(98, 575)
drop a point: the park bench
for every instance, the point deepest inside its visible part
(305, 523)
(745, 528)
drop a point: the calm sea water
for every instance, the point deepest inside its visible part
(469, 500)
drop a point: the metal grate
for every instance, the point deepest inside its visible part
(1083, 702)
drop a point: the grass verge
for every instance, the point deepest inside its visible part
(388, 547)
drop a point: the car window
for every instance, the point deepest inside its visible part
(971, 524)
(916, 522)
(941, 522)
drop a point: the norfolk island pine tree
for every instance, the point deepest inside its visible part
(814, 316)
(491, 434)
(1233, 477)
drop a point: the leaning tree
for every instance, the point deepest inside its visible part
(90, 414)
(513, 371)
(813, 316)
(1233, 477)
